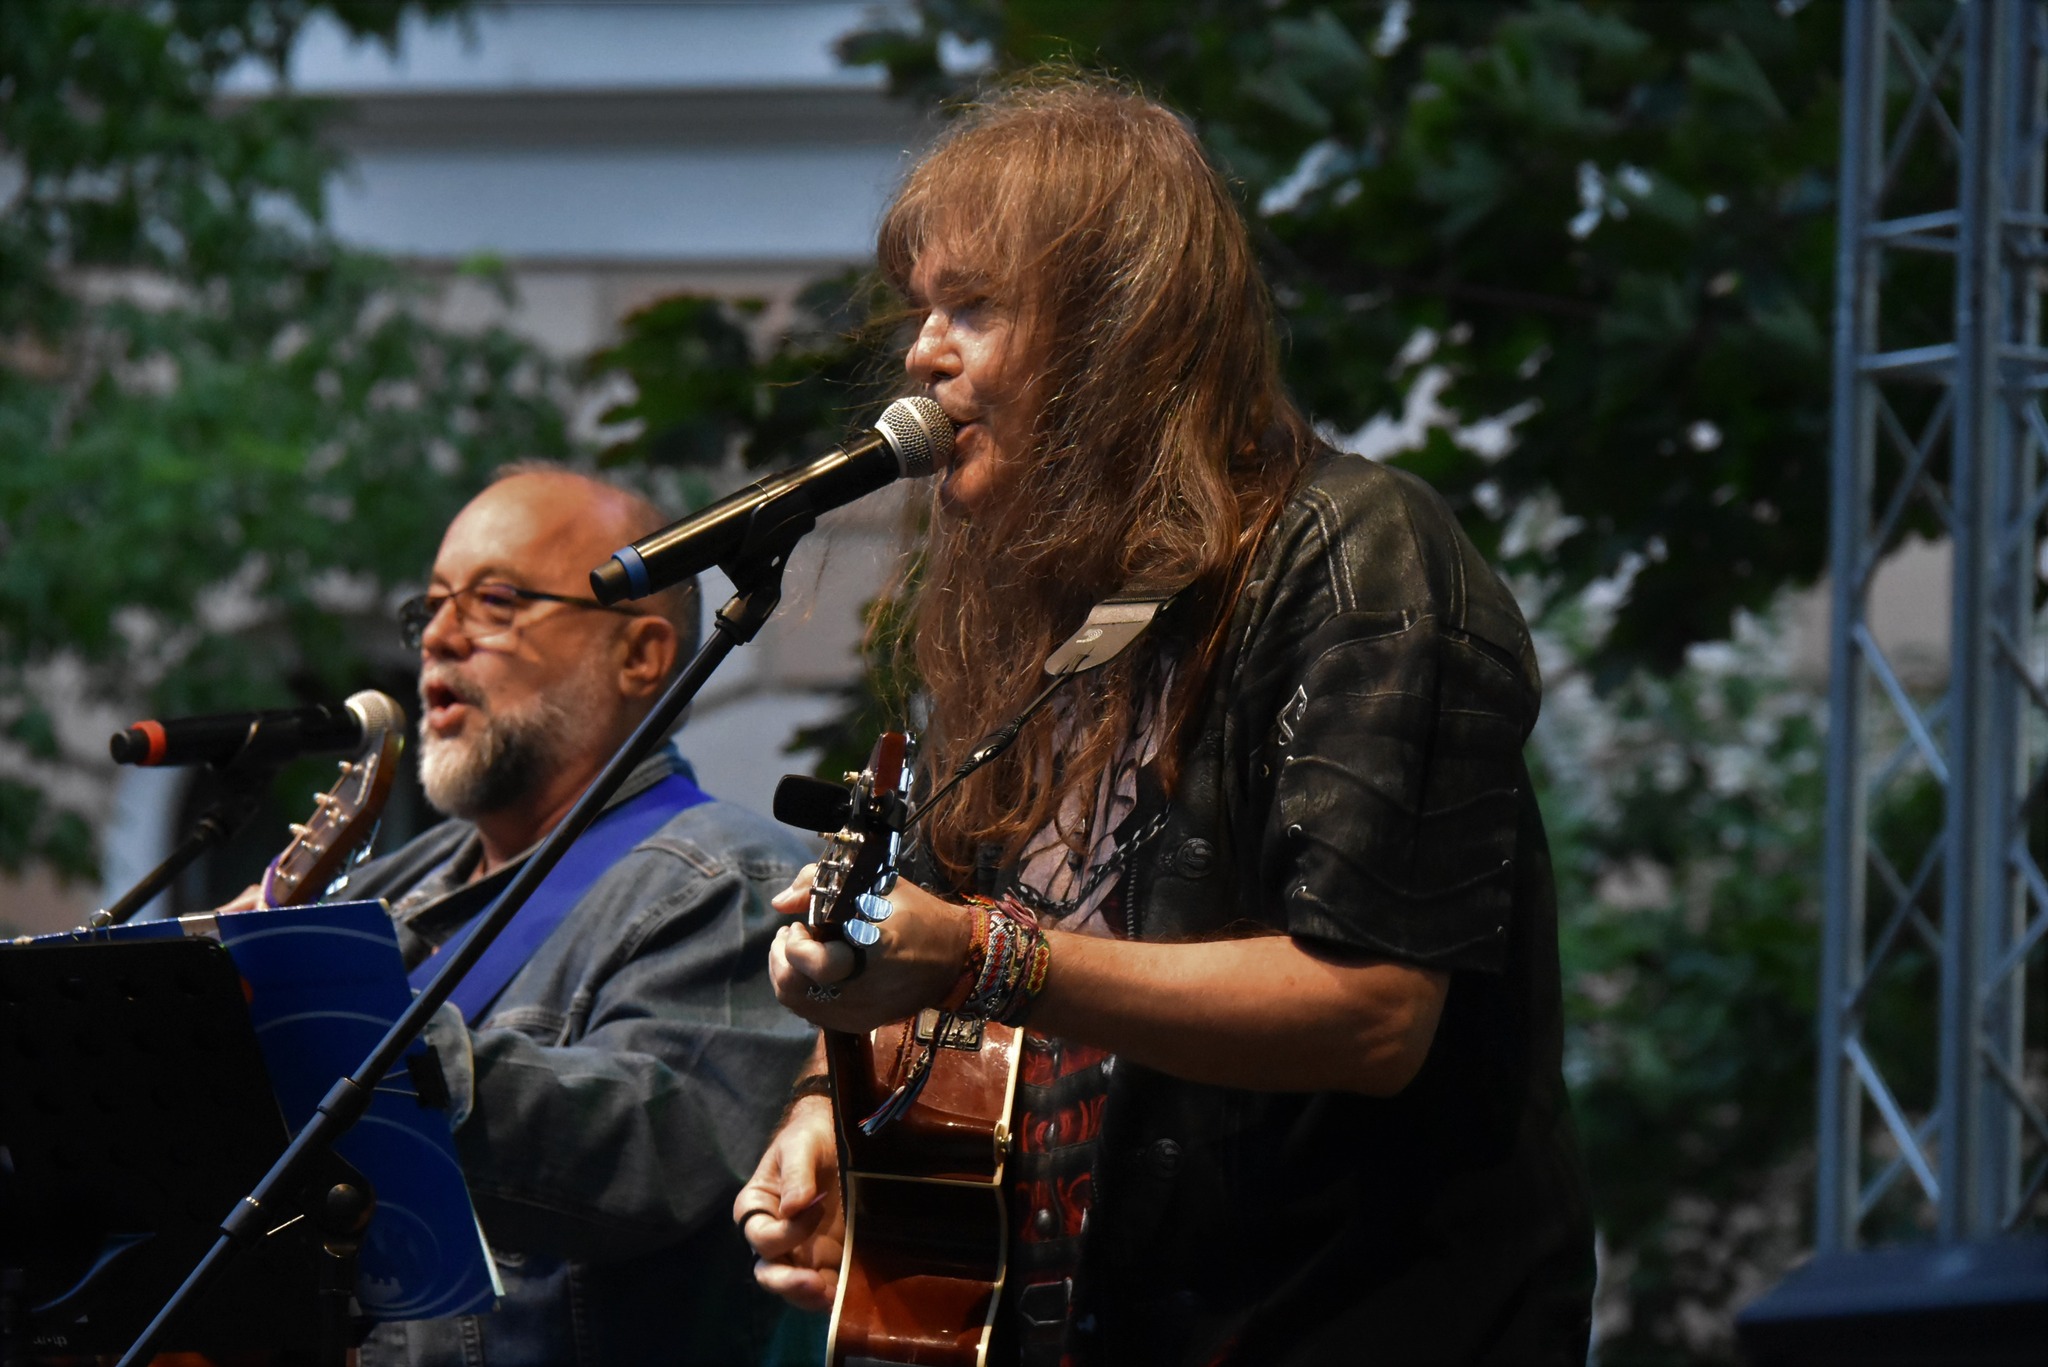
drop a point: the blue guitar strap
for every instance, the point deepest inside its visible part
(607, 841)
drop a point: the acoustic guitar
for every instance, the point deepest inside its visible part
(923, 1114)
(923, 1107)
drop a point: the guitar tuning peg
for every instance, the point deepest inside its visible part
(298, 831)
(874, 908)
(860, 933)
(323, 799)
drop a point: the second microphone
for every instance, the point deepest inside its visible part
(271, 736)
(911, 437)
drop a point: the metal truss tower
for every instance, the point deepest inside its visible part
(1932, 1009)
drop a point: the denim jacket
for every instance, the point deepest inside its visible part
(614, 1097)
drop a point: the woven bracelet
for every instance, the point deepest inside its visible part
(1032, 983)
(977, 956)
(1019, 958)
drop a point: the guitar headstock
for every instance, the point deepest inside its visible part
(860, 856)
(345, 816)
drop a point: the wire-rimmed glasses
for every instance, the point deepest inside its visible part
(489, 608)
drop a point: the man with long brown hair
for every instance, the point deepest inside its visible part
(1272, 888)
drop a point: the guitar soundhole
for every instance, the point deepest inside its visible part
(960, 1034)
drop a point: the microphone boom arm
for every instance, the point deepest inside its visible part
(243, 786)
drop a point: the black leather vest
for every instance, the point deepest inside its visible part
(1356, 780)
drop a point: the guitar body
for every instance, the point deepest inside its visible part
(927, 1220)
(927, 1227)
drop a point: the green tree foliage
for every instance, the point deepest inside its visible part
(1685, 818)
(1614, 219)
(224, 439)
(710, 389)
(1684, 812)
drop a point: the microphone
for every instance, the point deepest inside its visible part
(910, 437)
(270, 736)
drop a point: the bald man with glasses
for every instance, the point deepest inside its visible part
(611, 1095)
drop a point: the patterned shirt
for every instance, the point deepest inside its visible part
(1061, 1086)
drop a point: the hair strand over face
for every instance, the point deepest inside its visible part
(1162, 442)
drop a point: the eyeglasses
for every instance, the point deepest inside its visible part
(483, 609)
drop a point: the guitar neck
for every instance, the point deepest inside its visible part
(343, 818)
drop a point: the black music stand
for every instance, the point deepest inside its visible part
(134, 1109)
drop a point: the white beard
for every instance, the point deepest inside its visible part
(504, 756)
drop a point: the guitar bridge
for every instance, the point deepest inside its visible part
(960, 1033)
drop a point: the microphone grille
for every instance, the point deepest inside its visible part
(378, 712)
(919, 432)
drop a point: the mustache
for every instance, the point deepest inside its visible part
(451, 684)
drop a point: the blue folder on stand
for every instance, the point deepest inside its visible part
(324, 984)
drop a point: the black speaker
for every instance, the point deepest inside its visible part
(1983, 1302)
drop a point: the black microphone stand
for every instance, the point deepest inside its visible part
(756, 572)
(243, 786)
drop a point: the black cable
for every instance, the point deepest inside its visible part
(992, 745)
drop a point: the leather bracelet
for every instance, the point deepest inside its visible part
(811, 1084)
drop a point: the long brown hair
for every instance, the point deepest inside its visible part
(1162, 443)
